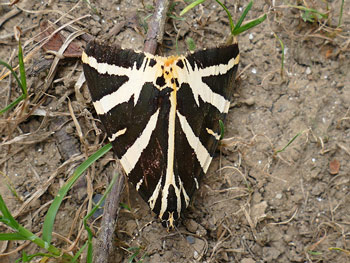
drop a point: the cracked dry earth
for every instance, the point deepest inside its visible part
(256, 203)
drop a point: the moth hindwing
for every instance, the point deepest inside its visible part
(162, 116)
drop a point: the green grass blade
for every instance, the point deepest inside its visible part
(38, 241)
(190, 44)
(125, 206)
(29, 258)
(23, 96)
(135, 251)
(235, 29)
(22, 70)
(232, 25)
(77, 255)
(222, 129)
(341, 13)
(12, 104)
(11, 236)
(24, 256)
(23, 233)
(244, 14)
(93, 210)
(51, 213)
(7, 218)
(190, 6)
(144, 23)
(249, 25)
(306, 9)
(282, 47)
(289, 143)
(3, 63)
(176, 17)
(21, 83)
(314, 253)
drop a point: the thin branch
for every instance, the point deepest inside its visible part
(156, 27)
(104, 244)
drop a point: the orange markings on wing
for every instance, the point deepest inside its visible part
(170, 60)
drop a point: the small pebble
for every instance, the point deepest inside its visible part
(279, 196)
(308, 71)
(96, 18)
(99, 211)
(198, 246)
(250, 101)
(190, 239)
(191, 225)
(248, 260)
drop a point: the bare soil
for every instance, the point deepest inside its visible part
(256, 203)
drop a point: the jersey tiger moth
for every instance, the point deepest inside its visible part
(162, 116)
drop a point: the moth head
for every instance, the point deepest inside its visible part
(170, 220)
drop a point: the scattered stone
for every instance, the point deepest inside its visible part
(201, 231)
(155, 258)
(318, 189)
(198, 246)
(249, 102)
(270, 254)
(248, 260)
(279, 196)
(95, 199)
(190, 239)
(308, 71)
(191, 225)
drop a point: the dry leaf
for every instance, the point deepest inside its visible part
(56, 41)
(334, 166)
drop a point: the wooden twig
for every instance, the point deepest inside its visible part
(86, 36)
(156, 27)
(104, 243)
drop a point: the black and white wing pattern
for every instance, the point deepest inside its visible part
(162, 116)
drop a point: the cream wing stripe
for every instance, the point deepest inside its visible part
(138, 185)
(152, 200)
(170, 176)
(182, 188)
(131, 157)
(132, 87)
(117, 134)
(211, 132)
(201, 89)
(219, 69)
(201, 152)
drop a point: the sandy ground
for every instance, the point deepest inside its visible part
(256, 203)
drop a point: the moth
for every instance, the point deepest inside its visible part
(162, 115)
